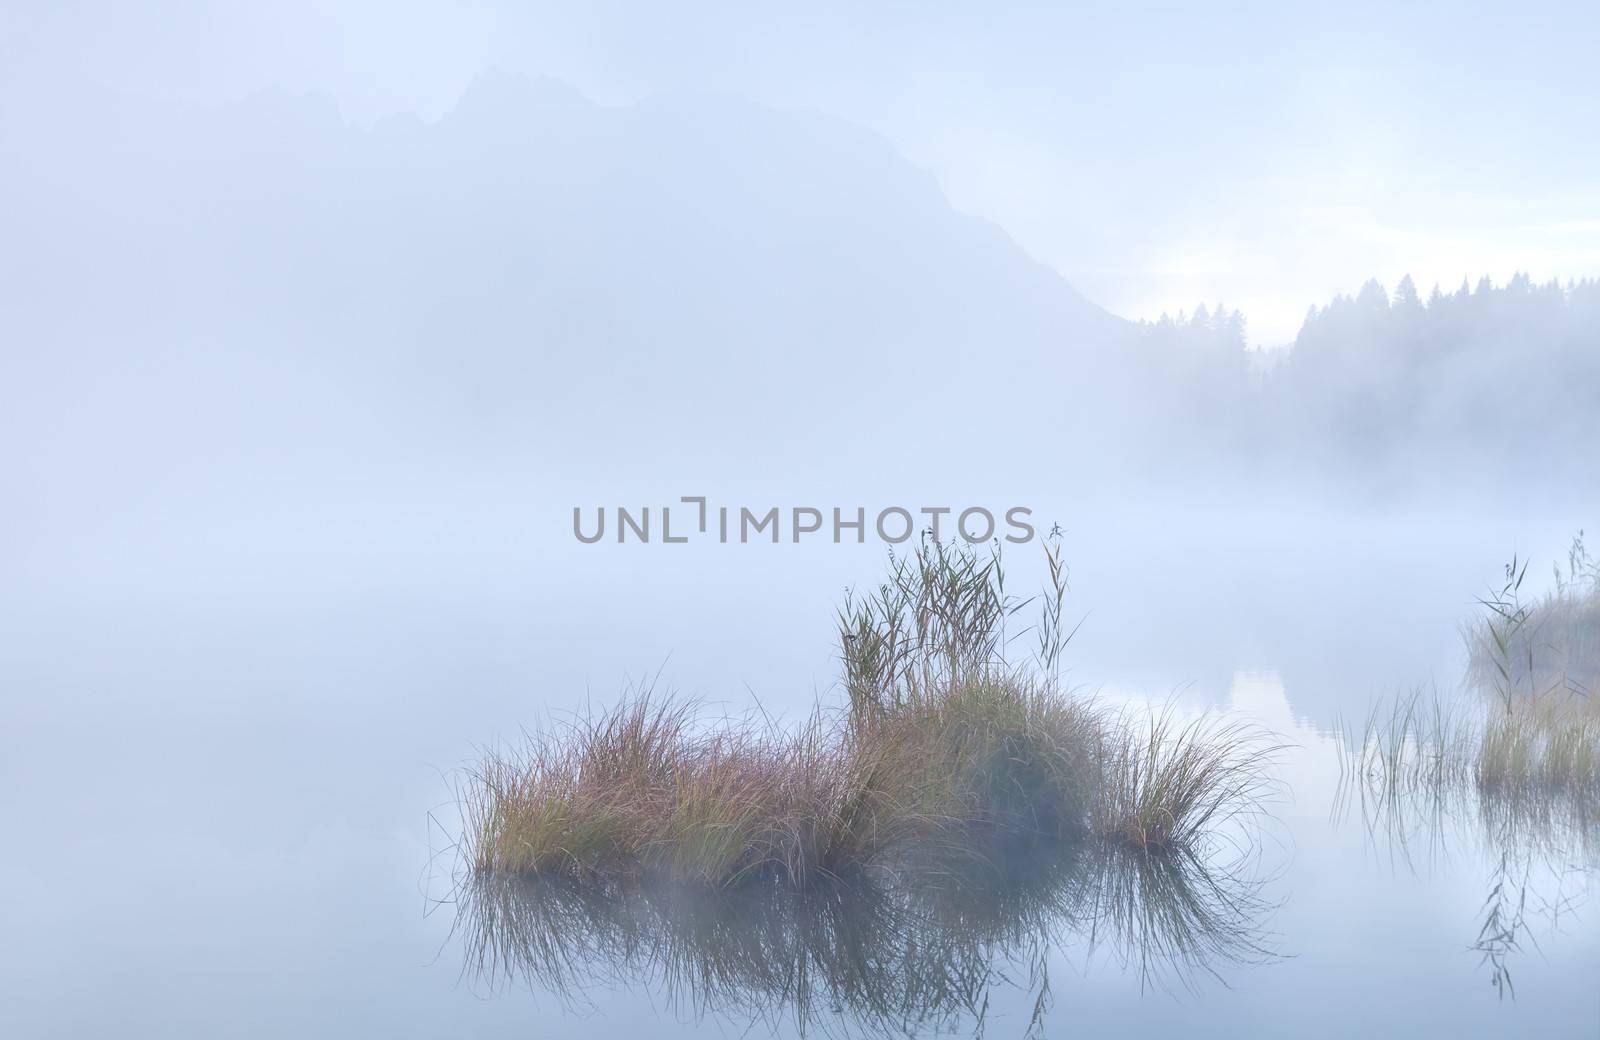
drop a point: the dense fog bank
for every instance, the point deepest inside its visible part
(259, 300)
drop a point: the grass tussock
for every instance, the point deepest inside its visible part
(945, 749)
(1544, 744)
(1167, 786)
(1527, 776)
(1542, 747)
(1528, 755)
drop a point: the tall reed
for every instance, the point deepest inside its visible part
(1524, 647)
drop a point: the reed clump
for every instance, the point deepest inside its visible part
(1518, 781)
(1524, 647)
(945, 750)
(1537, 748)
(1167, 785)
(1525, 760)
(1549, 743)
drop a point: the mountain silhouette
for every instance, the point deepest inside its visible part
(535, 283)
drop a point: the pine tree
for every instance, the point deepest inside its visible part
(1405, 295)
(1373, 297)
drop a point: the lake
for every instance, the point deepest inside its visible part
(228, 748)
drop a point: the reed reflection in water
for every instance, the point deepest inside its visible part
(1511, 787)
(919, 948)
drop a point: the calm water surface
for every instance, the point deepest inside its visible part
(227, 788)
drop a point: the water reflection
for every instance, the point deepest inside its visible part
(1427, 806)
(920, 948)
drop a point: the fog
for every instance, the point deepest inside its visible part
(1312, 149)
(308, 352)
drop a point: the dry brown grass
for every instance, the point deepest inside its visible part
(1538, 747)
(649, 787)
(1164, 785)
(945, 746)
(652, 787)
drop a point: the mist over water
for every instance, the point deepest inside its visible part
(296, 404)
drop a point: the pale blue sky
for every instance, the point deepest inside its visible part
(1263, 155)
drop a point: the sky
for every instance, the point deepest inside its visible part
(1262, 156)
